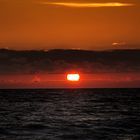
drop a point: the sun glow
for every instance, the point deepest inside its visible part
(73, 77)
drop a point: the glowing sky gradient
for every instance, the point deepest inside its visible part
(89, 5)
(80, 24)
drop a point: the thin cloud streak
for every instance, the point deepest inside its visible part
(88, 5)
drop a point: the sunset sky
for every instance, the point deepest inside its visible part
(81, 24)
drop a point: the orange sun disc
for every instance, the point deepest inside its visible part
(73, 77)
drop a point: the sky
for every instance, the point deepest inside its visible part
(80, 24)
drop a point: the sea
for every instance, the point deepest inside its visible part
(70, 114)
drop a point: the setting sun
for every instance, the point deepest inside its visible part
(73, 77)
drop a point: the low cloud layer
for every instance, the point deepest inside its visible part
(62, 61)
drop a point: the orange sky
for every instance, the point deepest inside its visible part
(84, 24)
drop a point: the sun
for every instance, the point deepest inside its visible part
(73, 77)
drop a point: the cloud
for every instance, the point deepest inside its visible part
(88, 5)
(62, 61)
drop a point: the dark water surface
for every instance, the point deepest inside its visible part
(70, 114)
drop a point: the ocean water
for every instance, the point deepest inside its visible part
(70, 114)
